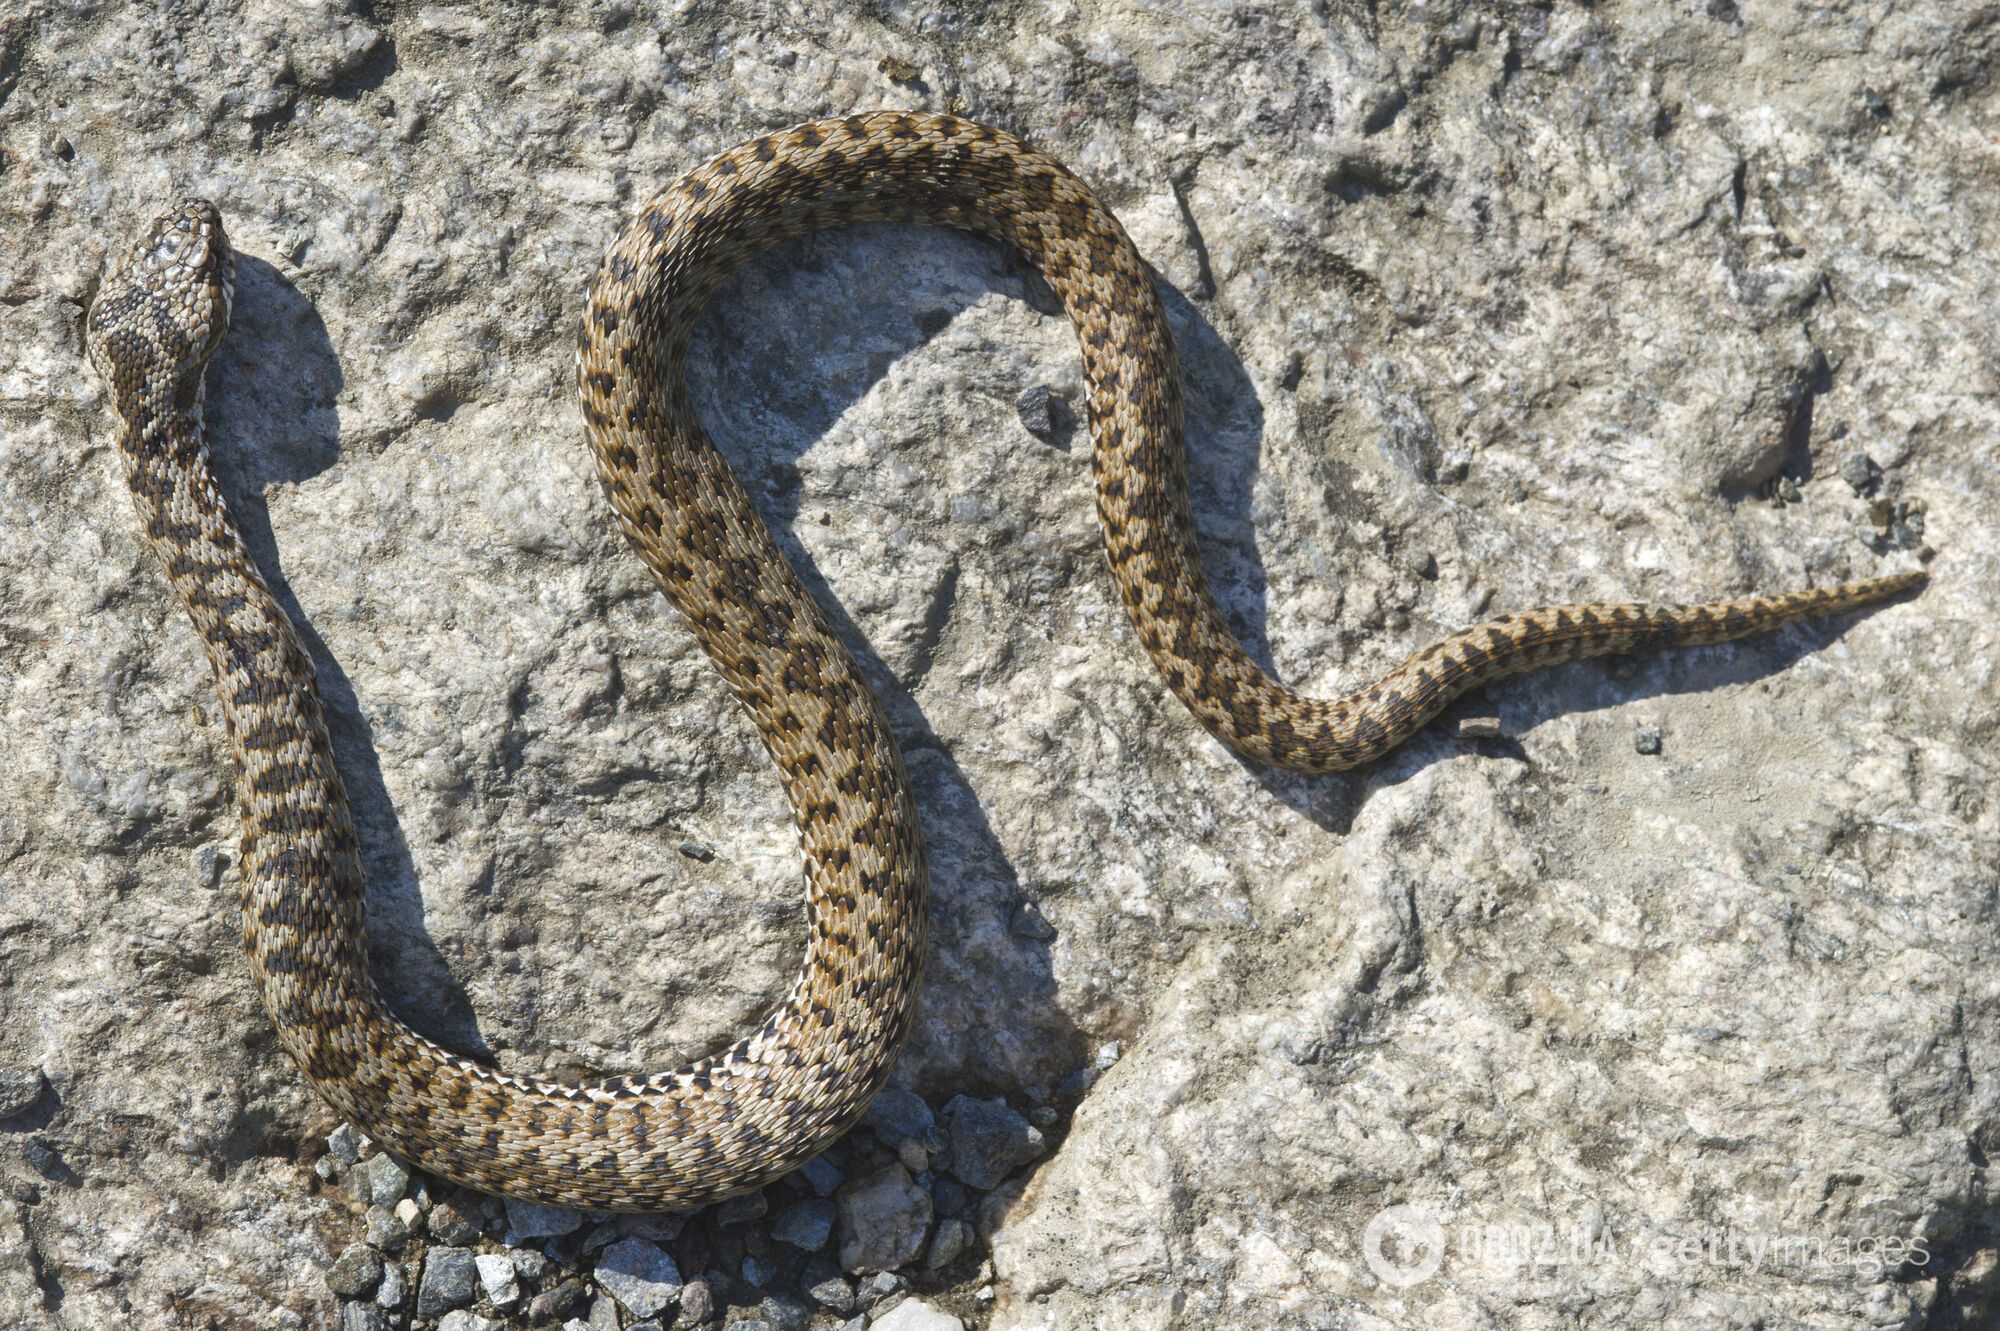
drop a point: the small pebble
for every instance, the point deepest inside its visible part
(1043, 1116)
(600, 1236)
(498, 1278)
(1647, 741)
(640, 1276)
(805, 1225)
(394, 1289)
(344, 1144)
(827, 1287)
(1029, 922)
(785, 1311)
(694, 850)
(410, 1214)
(530, 1265)
(45, 1160)
(879, 1287)
(1860, 472)
(697, 1302)
(1042, 413)
(988, 1141)
(821, 1176)
(916, 1315)
(603, 1314)
(448, 1281)
(381, 1179)
(386, 1229)
(949, 1197)
(953, 1237)
(362, 1317)
(327, 1168)
(356, 1273)
(526, 1220)
(914, 1157)
(758, 1271)
(897, 1116)
(883, 1219)
(452, 1226)
(467, 1321)
(1478, 727)
(553, 1305)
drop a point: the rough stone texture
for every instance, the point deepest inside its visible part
(1480, 305)
(639, 1275)
(883, 1219)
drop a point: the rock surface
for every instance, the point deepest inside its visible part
(1480, 306)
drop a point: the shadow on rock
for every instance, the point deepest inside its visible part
(272, 421)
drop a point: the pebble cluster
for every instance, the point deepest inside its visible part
(885, 1230)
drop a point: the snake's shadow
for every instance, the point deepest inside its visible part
(272, 421)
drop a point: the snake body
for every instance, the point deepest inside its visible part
(734, 1121)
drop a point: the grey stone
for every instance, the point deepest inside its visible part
(380, 1180)
(394, 1291)
(640, 1276)
(988, 1141)
(529, 1264)
(362, 1317)
(1647, 740)
(806, 1225)
(698, 1303)
(783, 1310)
(948, 1197)
(448, 1224)
(356, 1273)
(758, 1271)
(952, 1238)
(878, 1287)
(821, 1175)
(385, 1229)
(883, 1218)
(498, 1278)
(826, 1286)
(916, 1315)
(1043, 414)
(898, 1116)
(448, 1281)
(344, 1144)
(603, 1314)
(527, 1220)
(553, 1305)
(462, 1320)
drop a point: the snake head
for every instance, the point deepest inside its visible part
(163, 311)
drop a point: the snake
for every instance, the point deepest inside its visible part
(735, 1120)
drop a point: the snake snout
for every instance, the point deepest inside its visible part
(168, 303)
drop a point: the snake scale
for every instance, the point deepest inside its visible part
(734, 1121)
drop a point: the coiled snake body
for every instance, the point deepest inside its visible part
(739, 1119)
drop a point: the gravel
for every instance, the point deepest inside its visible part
(640, 1276)
(883, 1219)
(449, 1281)
(988, 1141)
(356, 1273)
(806, 1225)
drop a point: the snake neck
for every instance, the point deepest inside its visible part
(300, 870)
